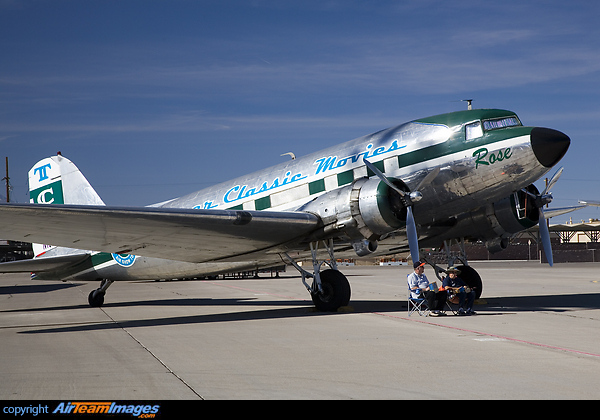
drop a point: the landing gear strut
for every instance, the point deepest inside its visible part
(96, 297)
(330, 289)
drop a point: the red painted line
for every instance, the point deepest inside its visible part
(516, 340)
(405, 318)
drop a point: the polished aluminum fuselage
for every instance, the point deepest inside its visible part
(474, 172)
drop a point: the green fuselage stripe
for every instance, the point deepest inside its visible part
(79, 268)
(458, 144)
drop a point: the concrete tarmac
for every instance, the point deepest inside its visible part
(536, 337)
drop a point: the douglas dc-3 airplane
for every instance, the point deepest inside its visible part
(466, 175)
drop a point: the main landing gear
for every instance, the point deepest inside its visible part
(330, 289)
(96, 297)
(467, 273)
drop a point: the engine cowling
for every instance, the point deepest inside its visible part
(362, 211)
(496, 223)
(518, 211)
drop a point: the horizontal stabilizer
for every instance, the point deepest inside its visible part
(39, 265)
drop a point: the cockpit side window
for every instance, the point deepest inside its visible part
(473, 130)
(501, 123)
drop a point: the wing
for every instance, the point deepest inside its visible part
(176, 234)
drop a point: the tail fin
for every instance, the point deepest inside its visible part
(56, 180)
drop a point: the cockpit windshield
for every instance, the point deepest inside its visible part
(501, 123)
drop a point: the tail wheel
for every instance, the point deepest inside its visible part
(336, 291)
(96, 298)
(471, 277)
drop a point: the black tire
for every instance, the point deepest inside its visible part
(336, 291)
(96, 298)
(471, 277)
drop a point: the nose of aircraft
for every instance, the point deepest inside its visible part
(549, 146)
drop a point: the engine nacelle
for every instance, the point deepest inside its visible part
(518, 211)
(362, 211)
(496, 223)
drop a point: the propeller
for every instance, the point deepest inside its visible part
(540, 200)
(409, 199)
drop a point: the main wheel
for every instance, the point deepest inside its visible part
(336, 291)
(96, 298)
(471, 277)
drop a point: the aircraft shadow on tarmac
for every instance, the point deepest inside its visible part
(36, 288)
(548, 303)
(298, 309)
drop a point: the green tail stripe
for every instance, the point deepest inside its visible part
(48, 194)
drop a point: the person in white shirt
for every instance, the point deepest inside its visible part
(419, 284)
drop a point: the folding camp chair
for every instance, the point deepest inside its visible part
(417, 304)
(452, 300)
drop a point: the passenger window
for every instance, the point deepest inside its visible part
(473, 131)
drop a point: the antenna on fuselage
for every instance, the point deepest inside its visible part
(291, 154)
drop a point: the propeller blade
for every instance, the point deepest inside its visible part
(411, 227)
(381, 176)
(427, 180)
(553, 180)
(545, 237)
(411, 233)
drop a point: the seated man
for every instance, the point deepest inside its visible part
(418, 283)
(455, 285)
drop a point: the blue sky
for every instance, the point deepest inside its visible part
(154, 99)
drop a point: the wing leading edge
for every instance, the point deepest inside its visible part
(175, 234)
